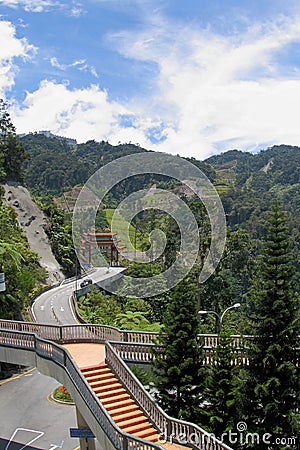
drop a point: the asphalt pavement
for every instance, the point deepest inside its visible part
(30, 418)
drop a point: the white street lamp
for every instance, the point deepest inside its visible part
(220, 317)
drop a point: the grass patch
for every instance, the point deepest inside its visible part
(135, 235)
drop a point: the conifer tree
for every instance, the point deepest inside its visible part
(220, 381)
(178, 355)
(273, 384)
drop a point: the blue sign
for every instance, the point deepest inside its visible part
(81, 433)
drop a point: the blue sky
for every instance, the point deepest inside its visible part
(188, 77)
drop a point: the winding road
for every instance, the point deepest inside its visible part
(29, 418)
(54, 306)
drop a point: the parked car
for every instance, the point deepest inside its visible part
(86, 282)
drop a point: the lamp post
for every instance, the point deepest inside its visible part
(220, 317)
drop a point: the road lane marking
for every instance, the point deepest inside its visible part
(40, 434)
(54, 446)
(15, 377)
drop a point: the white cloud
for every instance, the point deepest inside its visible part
(80, 64)
(71, 8)
(31, 5)
(13, 49)
(80, 113)
(216, 91)
(211, 92)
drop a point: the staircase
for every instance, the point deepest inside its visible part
(120, 406)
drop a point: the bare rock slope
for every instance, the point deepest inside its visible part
(32, 221)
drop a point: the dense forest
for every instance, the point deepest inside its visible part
(259, 273)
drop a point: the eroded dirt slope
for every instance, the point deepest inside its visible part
(32, 221)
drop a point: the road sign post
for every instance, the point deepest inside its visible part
(81, 433)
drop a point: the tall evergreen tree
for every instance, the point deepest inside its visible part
(273, 384)
(178, 354)
(12, 152)
(221, 384)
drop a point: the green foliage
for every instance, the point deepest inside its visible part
(95, 307)
(274, 314)
(12, 152)
(176, 367)
(220, 412)
(229, 283)
(59, 231)
(20, 265)
(62, 394)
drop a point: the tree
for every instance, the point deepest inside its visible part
(273, 382)
(221, 388)
(178, 355)
(12, 152)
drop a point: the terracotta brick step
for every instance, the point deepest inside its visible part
(106, 378)
(106, 387)
(97, 382)
(126, 405)
(135, 428)
(148, 434)
(116, 399)
(98, 369)
(152, 437)
(118, 403)
(129, 421)
(126, 414)
(110, 393)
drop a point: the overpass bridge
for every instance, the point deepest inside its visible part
(109, 399)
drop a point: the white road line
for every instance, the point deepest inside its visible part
(40, 434)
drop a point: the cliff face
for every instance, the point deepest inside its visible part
(32, 221)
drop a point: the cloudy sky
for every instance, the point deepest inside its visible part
(188, 77)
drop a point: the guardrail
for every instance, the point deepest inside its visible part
(172, 430)
(106, 332)
(133, 346)
(55, 353)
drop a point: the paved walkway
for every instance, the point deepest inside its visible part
(86, 355)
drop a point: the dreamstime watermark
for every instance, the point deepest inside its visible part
(239, 436)
(192, 179)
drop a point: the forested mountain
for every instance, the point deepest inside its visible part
(54, 166)
(247, 183)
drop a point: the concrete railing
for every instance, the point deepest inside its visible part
(171, 430)
(16, 335)
(53, 353)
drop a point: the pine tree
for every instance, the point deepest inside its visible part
(220, 411)
(178, 355)
(273, 383)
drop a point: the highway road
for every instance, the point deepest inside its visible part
(53, 307)
(29, 416)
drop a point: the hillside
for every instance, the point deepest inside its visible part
(54, 166)
(247, 183)
(250, 182)
(32, 221)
